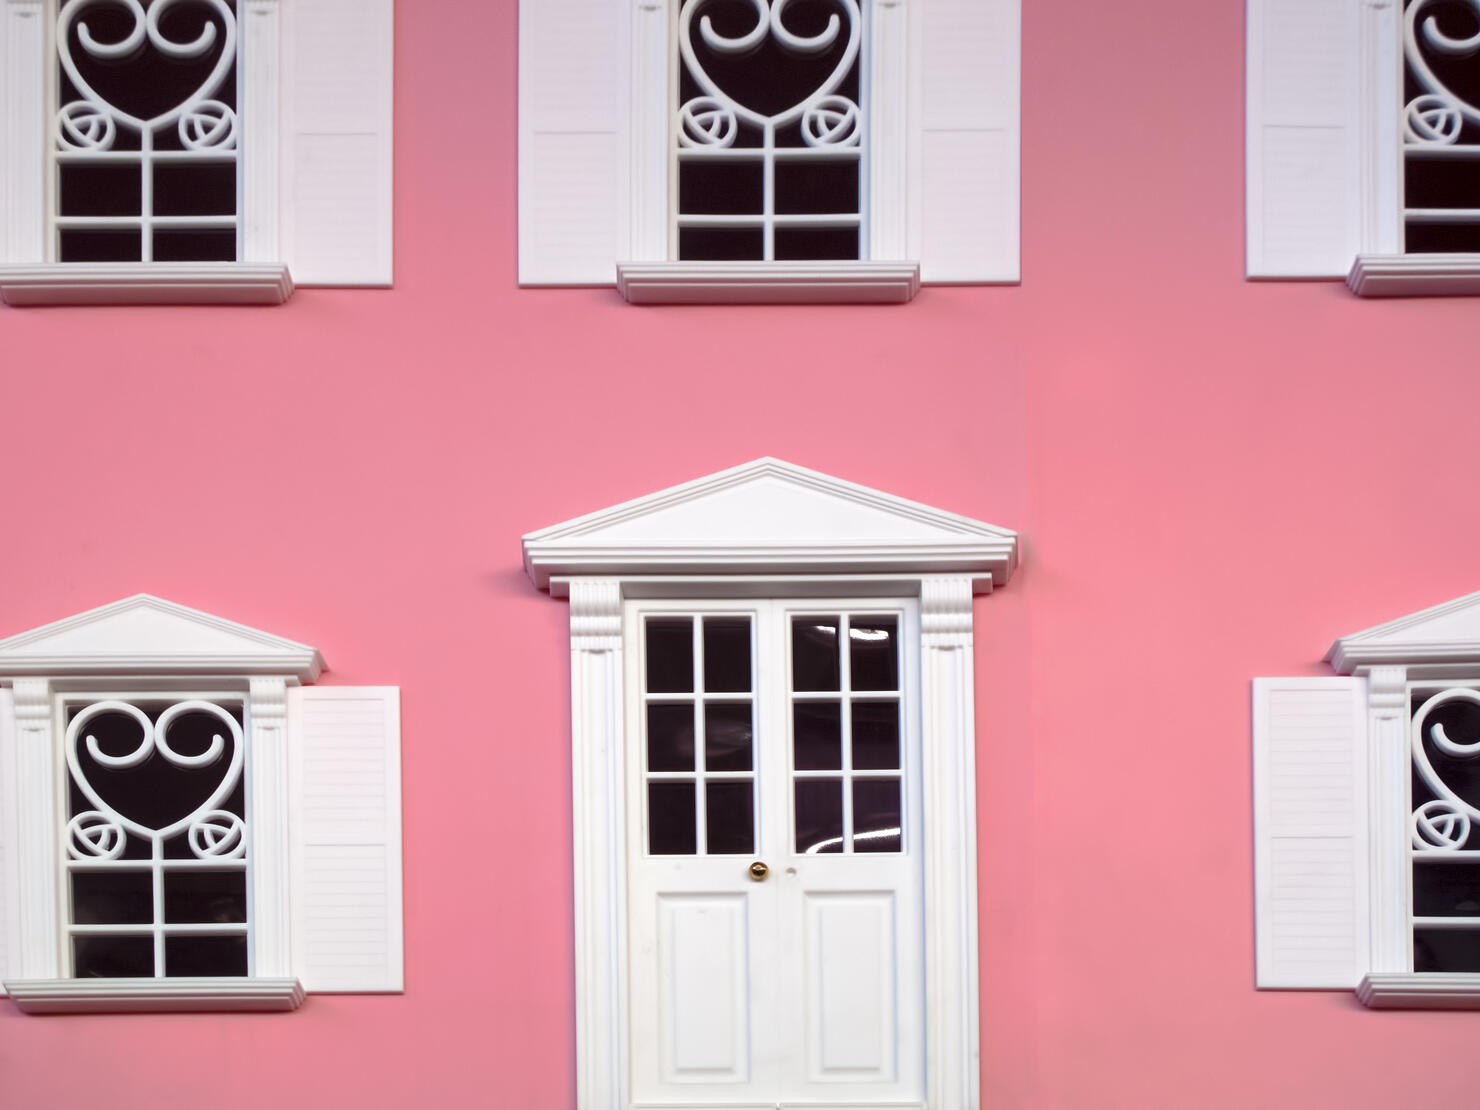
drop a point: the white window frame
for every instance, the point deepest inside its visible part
(315, 109)
(1332, 771)
(1324, 156)
(595, 166)
(143, 647)
(772, 529)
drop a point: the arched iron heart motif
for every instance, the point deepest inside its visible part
(1444, 44)
(155, 737)
(769, 20)
(146, 26)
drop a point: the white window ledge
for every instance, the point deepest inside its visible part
(145, 283)
(119, 996)
(1430, 990)
(1415, 275)
(768, 282)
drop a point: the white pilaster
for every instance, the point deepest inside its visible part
(270, 849)
(23, 84)
(38, 830)
(947, 720)
(649, 120)
(261, 117)
(600, 852)
(1381, 153)
(1389, 771)
(887, 106)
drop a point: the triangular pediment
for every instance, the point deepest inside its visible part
(770, 517)
(146, 635)
(1447, 633)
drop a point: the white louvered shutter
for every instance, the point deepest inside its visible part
(9, 904)
(346, 828)
(969, 82)
(1303, 165)
(336, 142)
(1311, 832)
(572, 133)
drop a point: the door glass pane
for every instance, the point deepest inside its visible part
(876, 824)
(873, 645)
(670, 655)
(814, 653)
(819, 816)
(817, 731)
(730, 818)
(672, 819)
(876, 735)
(727, 736)
(670, 736)
(109, 957)
(726, 655)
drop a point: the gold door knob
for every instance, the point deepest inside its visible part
(759, 871)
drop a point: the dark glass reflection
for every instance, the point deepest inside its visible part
(875, 735)
(873, 646)
(727, 736)
(112, 898)
(726, 655)
(670, 736)
(1446, 949)
(817, 735)
(205, 897)
(105, 957)
(729, 818)
(672, 817)
(192, 956)
(876, 823)
(670, 655)
(814, 653)
(819, 815)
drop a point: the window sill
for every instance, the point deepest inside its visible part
(768, 282)
(1415, 275)
(137, 996)
(131, 283)
(1420, 991)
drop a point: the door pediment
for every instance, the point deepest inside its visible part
(770, 517)
(1447, 633)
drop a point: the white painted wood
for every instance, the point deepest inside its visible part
(1415, 275)
(968, 140)
(268, 798)
(261, 28)
(1312, 858)
(768, 282)
(345, 766)
(336, 141)
(892, 112)
(574, 146)
(10, 909)
(1446, 634)
(1420, 991)
(145, 283)
(144, 634)
(768, 517)
(1389, 771)
(1305, 146)
(183, 995)
(22, 131)
(36, 856)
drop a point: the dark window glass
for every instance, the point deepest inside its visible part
(876, 735)
(720, 244)
(195, 190)
(814, 653)
(817, 736)
(112, 245)
(727, 188)
(205, 897)
(192, 956)
(194, 245)
(112, 957)
(819, 815)
(110, 190)
(670, 737)
(727, 737)
(873, 646)
(671, 819)
(112, 898)
(670, 655)
(1446, 949)
(876, 817)
(726, 655)
(803, 244)
(729, 818)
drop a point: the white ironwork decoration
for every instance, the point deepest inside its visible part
(769, 132)
(1441, 124)
(147, 139)
(156, 844)
(1445, 741)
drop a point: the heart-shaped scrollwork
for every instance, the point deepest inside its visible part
(1439, 823)
(76, 126)
(770, 21)
(1432, 118)
(217, 835)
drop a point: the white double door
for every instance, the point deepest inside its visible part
(775, 940)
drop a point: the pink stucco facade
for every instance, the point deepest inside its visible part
(1212, 478)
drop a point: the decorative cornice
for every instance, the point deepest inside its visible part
(1420, 990)
(1387, 691)
(113, 996)
(768, 282)
(268, 699)
(945, 612)
(32, 702)
(92, 283)
(595, 614)
(1415, 275)
(1400, 642)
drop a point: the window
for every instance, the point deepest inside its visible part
(1362, 136)
(204, 833)
(193, 150)
(772, 685)
(1366, 788)
(720, 150)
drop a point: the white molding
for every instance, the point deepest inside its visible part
(113, 996)
(1415, 275)
(23, 37)
(889, 110)
(148, 635)
(36, 830)
(262, 121)
(768, 282)
(652, 165)
(1448, 633)
(270, 910)
(1428, 990)
(83, 283)
(1389, 768)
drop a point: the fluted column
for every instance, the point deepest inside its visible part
(261, 130)
(23, 78)
(269, 846)
(1388, 772)
(39, 830)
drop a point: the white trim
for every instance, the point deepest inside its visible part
(1389, 856)
(23, 37)
(145, 283)
(37, 790)
(1415, 275)
(269, 806)
(115, 996)
(768, 282)
(261, 28)
(1429, 990)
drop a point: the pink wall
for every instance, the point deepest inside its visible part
(1213, 479)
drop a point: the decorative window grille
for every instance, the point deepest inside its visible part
(147, 153)
(1441, 126)
(769, 134)
(156, 839)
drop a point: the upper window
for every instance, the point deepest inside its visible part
(768, 149)
(192, 827)
(1367, 816)
(1363, 131)
(149, 142)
